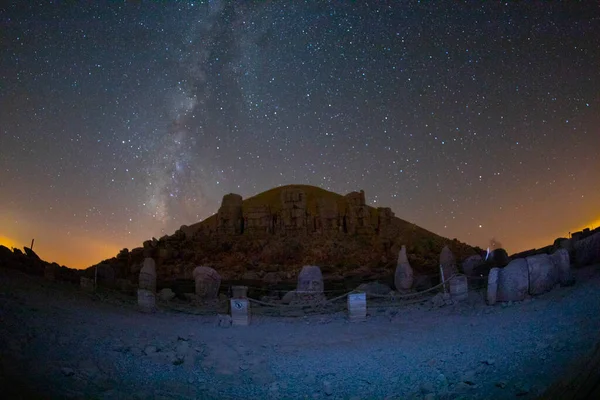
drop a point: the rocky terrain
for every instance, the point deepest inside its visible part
(266, 239)
(58, 341)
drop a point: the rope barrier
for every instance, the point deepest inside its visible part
(395, 296)
(329, 301)
(314, 304)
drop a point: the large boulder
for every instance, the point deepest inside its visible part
(208, 282)
(543, 274)
(30, 253)
(403, 277)
(166, 294)
(562, 262)
(513, 281)
(499, 257)
(470, 264)
(587, 251)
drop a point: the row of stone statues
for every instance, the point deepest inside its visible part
(532, 275)
(310, 286)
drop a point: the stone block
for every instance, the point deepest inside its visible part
(513, 281)
(543, 274)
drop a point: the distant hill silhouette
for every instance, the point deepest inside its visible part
(270, 236)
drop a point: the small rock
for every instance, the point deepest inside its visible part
(441, 381)
(469, 377)
(166, 294)
(327, 389)
(523, 389)
(274, 387)
(501, 384)
(462, 387)
(427, 387)
(136, 351)
(438, 300)
(67, 371)
(224, 320)
(183, 349)
(150, 350)
(489, 361)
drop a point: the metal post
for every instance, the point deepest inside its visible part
(443, 279)
(31, 247)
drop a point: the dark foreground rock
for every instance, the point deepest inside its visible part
(58, 342)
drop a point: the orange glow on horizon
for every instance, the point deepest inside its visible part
(7, 242)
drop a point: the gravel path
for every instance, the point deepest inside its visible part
(58, 342)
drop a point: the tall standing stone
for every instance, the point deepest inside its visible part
(146, 293)
(147, 279)
(403, 278)
(447, 263)
(208, 282)
(492, 288)
(471, 263)
(562, 261)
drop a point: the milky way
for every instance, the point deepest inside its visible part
(121, 122)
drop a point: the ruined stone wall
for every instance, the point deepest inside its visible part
(229, 216)
(293, 218)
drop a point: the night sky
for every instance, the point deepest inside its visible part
(119, 122)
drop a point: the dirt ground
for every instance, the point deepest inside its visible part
(57, 341)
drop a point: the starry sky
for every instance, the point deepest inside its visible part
(123, 121)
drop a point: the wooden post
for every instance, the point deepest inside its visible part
(31, 247)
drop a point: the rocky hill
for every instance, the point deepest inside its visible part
(270, 236)
(29, 262)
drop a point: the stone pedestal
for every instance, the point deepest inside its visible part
(147, 280)
(146, 300)
(357, 307)
(240, 312)
(459, 288)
